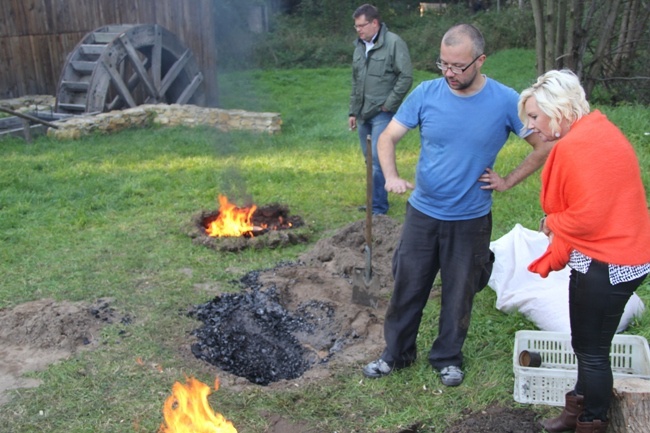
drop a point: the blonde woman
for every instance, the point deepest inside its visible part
(598, 224)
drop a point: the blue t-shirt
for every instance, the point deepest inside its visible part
(460, 136)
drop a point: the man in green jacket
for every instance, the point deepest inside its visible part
(382, 75)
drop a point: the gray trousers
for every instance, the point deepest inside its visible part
(460, 250)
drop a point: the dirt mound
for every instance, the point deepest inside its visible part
(35, 334)
(344, 250)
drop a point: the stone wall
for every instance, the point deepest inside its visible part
(31, 102)
(152, 114)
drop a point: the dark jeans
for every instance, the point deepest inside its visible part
(374, 127)
(460, 250)
(595, 310)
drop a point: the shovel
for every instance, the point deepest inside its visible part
(365, 285)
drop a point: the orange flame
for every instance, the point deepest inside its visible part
(187, 410)
(232, 221)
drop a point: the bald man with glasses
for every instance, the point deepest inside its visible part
(464, 119)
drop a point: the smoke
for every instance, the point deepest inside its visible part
(233, 33)
(233, 186)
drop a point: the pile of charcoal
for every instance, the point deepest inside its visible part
(252, 335)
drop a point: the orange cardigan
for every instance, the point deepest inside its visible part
(594, 198)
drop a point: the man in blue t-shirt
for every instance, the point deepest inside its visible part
(464, 120)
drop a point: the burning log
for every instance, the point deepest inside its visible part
(233, 229)
(231, 221)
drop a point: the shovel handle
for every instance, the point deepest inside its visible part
(369, 192)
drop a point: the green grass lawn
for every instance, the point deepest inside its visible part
(103, 217)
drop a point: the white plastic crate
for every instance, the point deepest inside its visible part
(548, 383)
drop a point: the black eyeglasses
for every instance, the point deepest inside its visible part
(360, 26)
(455, 69)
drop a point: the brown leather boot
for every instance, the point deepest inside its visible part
(573, 405)
(595, 426)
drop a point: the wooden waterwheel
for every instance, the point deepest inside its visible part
(122, 66)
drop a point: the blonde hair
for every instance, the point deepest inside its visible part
(559, 95)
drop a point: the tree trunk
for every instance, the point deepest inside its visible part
(560, 38)
(630, 408)
(636, 17)
(583, 37)
(600, 67)
(538, 16)
(573, 25)
(601, 41)
(549, 25)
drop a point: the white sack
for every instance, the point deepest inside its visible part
(544, 301)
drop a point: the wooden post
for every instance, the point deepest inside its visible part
(630, 408)
(27, 133)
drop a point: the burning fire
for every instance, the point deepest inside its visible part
(187, 410)
(232, 221)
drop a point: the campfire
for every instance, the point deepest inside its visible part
(187, 410)
(233, 228)
(231, 220)
(235, 221)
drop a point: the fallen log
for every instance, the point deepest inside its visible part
(26, 116)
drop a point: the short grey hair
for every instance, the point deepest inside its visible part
(458, 34)
(559, 95)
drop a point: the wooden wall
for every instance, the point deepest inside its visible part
(37, 35)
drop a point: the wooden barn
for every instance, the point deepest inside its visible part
(111, 52)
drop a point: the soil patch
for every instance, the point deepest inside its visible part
(36, 334)
(310, 300)
(498, 420)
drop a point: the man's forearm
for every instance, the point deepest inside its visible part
(386, 155)
(528, 166)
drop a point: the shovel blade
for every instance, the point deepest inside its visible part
(364, 291)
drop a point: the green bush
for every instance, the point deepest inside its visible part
(291, 44)
(317, 36)
(319, 33)
(510, 28)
